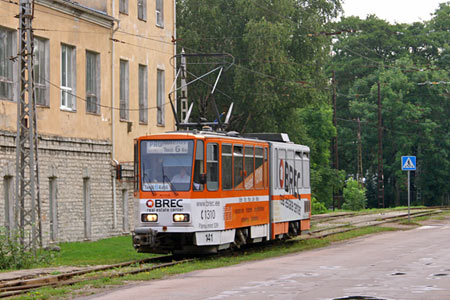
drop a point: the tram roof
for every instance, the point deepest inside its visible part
(201, 134)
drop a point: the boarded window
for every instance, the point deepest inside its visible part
(160, 103)
(92, 82)
(143, 95)
(7, 47)
(41, 69)
(87, 207)
(160, 13)
(142, 10)
(124, 90)
(53, 208)
(123, 6)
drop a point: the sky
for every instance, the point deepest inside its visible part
(399, 11)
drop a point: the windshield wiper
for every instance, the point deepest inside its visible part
(172, 188)
(147, 181)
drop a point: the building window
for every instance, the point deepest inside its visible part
(123, 6)
(143, 94)
(142, 10)
(41, 65)
(68, 77)
(92, 82)
(7, 47)
(160, 98)
(160, 13)
(124, 89)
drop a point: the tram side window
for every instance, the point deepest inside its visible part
(238, 160)
(212, 166)
(198, 166)
(306, 170)
(281, 182)
(227, 167)
(298, 170)
(259, 168)
(249, 168)
(290, 176)
(266, 169)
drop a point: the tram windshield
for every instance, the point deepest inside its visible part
(166, 165)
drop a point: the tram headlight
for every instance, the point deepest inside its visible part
(149, 217)
(181, 218)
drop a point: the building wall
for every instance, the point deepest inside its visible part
(145, 43)
(78, 150)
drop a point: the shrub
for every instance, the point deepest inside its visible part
(354, 196)
(318, 207)
(13, 254)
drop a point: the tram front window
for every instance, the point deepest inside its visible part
(166, 165)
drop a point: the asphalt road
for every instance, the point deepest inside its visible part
(413, 264)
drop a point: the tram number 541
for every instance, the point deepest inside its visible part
(208, 214)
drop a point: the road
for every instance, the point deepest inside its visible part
(412, 264)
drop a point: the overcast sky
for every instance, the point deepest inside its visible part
(400, 11)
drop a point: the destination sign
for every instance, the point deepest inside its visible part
(167, 147)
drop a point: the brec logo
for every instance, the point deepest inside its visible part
(289, 177)
(160, 203)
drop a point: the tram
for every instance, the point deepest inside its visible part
(202, 191)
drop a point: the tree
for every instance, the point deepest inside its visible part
(277, 80)
(405, 60)
(354, 196)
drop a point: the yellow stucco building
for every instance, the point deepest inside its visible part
(103, 71)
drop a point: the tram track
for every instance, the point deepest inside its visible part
(24, 284)
(19, 286)
(327, 231)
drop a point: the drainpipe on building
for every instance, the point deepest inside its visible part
(113, 152)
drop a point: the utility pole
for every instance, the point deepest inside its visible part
(184, 92)
(380, 176)
(359, 167)
(28, 207)
(335, 138)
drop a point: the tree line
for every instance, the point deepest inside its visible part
(280, 81)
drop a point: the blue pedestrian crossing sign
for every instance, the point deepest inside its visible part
(408, 163)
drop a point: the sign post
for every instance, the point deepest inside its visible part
(409, 164)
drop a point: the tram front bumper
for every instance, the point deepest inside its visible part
(144, 239)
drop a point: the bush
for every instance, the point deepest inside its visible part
(13, 254)
(318, 207)
(354, 196)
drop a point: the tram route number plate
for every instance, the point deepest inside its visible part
(207, 238)
(204, 238)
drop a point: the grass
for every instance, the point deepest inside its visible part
(107, 251)
(274, 249)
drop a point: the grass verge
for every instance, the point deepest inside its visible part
(107, 251)
(271, 250)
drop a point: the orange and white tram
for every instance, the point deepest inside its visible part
(202, 191)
